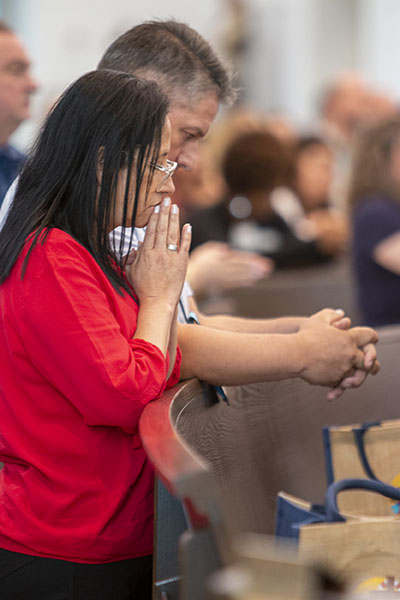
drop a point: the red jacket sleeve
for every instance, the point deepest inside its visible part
(78, 332)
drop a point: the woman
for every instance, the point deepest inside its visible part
(375, 203)
(86, 343)
(254, 217)
(312, 182)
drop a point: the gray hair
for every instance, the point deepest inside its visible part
(181, 61)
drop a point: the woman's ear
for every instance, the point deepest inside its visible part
(100, 162)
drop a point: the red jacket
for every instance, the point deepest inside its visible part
(76, 484)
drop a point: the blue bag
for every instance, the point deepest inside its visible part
(293, 513)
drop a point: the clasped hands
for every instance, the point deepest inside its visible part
(353, 355)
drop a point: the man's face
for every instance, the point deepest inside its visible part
(16, 83)
(189, 125)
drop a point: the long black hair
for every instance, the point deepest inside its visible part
(105, 116)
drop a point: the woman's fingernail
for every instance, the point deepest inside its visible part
(167, 201)
(340, 311)
(157, 208)
(188, 228)
(175, 209)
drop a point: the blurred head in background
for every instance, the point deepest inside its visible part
(255, 164)
(16, 83)
(376, 170)
(345, 104)
(313, 172)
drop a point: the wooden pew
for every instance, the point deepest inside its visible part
(292, 292)
(189, 537)
(269, 437)
(237, 457)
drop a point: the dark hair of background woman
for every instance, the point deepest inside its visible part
(106, 116)
(254, 161)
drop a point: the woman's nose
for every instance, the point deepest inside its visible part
(168, 187)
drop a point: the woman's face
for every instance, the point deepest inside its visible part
(314, 171)
(150, 198)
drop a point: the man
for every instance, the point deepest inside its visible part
(226, 350)
(16, 87)
(348, 105)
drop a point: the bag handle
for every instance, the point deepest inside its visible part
(359, 433)
(332, 511)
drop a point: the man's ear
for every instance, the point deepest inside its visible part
(100, 162)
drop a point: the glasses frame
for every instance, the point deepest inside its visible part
(168, 171)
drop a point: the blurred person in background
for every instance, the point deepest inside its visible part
(375, 205)
(312, 182)
(16, 88)
(343, 109)
(313, 172)
(252, 217)
(348, 104)
(344, 106)
(213, 267)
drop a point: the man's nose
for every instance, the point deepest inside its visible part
(31, 83)
(188, 156)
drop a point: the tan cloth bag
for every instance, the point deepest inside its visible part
(364, 450)
(363, 554)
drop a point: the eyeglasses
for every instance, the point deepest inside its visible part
(169, 170)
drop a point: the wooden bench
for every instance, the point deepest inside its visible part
(292, 292)
(229, 461)
(188, 535)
